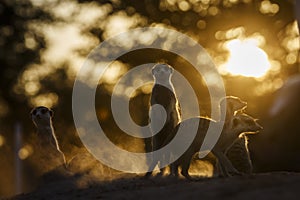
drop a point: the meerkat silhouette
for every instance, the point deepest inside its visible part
(240, 123)
(162, 121)
(42, 118)
(229, 106)
(239, 155)
(237, 152)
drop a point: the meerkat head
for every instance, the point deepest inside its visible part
(233, 104)
(162, 72)
(245, 123)
(41, 116)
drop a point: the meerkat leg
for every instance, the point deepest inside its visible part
(220, 167)
(157, 117)
(174, 169)
(154, 159)
(225, 165)
(160, 161)
(218, 171)
(221, 170)
(185, 168)
(150, 170)
(166, 158)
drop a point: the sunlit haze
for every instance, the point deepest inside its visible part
(246, 58)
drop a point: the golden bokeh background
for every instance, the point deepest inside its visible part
(43, 44)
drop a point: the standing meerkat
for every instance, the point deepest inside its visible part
(240, 123)
(42, 119)
(163, 94)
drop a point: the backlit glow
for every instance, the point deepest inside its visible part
(246, 58)
(1, 140)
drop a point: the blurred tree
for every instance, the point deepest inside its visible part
(15, 55)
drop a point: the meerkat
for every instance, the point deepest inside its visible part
(42, 118)
(237, 152)
(240, 123)
(239, 156)
(232, 104)
(229, 106)
(163, 93)
(232, 138)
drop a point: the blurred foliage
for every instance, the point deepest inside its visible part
(44, 43)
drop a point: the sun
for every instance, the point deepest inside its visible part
(246, 58)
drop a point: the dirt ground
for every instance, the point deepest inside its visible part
(275, 185)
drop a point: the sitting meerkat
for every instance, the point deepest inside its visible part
(240, 123)
(226, 141)
(238, 154)
(233, 105)
(42, 118)
(163, 93)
